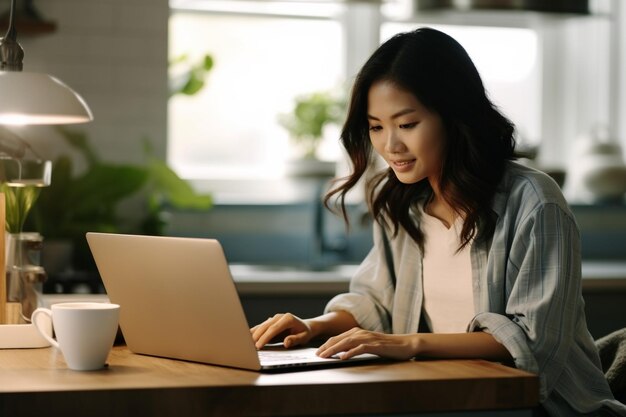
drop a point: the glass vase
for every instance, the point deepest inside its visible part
(24, 273)
(21, 180)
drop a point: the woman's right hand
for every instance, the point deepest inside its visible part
(293, 330)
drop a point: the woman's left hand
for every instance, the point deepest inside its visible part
(358, 341)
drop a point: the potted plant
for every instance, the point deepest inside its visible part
(74, 204)
(310, 115)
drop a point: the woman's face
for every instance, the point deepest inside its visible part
(405, 133)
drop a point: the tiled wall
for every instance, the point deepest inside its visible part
(114, 53)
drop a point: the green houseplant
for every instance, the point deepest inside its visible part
(74, 204)
(306, 122)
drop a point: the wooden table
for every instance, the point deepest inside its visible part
(36, 382)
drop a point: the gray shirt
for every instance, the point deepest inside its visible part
(527, 292)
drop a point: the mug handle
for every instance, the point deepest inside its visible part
(33, 320)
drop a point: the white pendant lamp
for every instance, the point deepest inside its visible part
(28, 98)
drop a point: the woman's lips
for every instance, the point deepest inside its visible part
(403, 165)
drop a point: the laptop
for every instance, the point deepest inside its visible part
(178, 300)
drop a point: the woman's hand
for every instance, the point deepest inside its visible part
(292, 329)
(357, 341)
(405, 346)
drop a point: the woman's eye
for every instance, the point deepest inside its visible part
(408, 125)
(375, 128)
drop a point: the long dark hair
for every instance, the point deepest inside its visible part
(478, 138)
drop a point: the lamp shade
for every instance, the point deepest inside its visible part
(28, 98)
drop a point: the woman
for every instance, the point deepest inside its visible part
(479, 251)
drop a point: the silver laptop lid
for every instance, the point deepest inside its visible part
(177, 298)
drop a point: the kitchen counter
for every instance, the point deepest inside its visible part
(280, 280)
(600, 276)
(275, 280)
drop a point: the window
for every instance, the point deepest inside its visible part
(268, 52)
(261, 63)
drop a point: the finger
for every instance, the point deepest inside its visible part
(342, 345)
(295, 339)
(332, 341)
(259, 325)
(260, 329)
(264, 333)
(358, 350)
(274, 328)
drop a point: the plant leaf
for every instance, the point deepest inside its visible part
(104, 185)
(19, 201)
(208, 62)
(173, 189)
(193, 85)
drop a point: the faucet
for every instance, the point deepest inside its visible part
(322, 248)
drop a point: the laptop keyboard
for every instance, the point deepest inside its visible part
(275, 356)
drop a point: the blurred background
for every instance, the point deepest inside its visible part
(242, 100)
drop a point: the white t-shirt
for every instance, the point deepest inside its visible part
(448, 297)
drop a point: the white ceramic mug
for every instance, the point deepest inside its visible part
(85, 332)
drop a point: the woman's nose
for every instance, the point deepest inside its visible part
(394, 144)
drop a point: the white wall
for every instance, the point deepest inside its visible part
(113, 53)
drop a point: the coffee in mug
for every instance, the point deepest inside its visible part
(85, 332)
